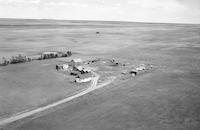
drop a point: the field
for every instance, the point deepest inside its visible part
(166, 98)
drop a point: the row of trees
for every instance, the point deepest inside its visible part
(55, 55)
(67, 54)
(21, 58)
(14, 60)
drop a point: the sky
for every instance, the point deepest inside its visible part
(166, 11)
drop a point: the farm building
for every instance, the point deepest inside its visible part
(50, 53)
(140, 68)
(72, 72)
(83, 78)
(86, 70)
(113, 62)
(65, 67)
(76, 61)
(133, 72)
(81, 69)
(35, 57)
(59, 67)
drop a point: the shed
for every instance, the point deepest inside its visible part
(65, 66)
(133, 72)
(140, 68)
(49, 53)
(82, 78)
(86, 70)
(77, 60)
(80, 68)
(77, 68)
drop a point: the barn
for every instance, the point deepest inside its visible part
(83, 78)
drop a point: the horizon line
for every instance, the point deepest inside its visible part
(99, 21)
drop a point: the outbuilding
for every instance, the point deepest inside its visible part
(77, 60)
(141, 68)
(65, 66)
(133, 72)
(83, 78)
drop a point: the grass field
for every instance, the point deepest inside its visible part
(164, 99)
(28, 86)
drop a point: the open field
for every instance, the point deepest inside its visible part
(27, 86)
(164, 99)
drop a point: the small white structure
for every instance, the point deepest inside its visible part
(65, 67)
(77, 60)
(140, 68)
(49, 53)
(80, 68)
(83, 78)
(79, 80)
(123, 72)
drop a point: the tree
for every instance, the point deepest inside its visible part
(69, 53)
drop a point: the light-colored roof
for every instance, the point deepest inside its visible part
(140, 68)
(77, 60)
(86, 70)
(80, 68)
(83, 80)
(65, 66)
(48, 53)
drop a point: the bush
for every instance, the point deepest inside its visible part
(69, 53)
(66, 54)
(29, 59)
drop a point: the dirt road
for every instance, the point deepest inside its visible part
(92, 87)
